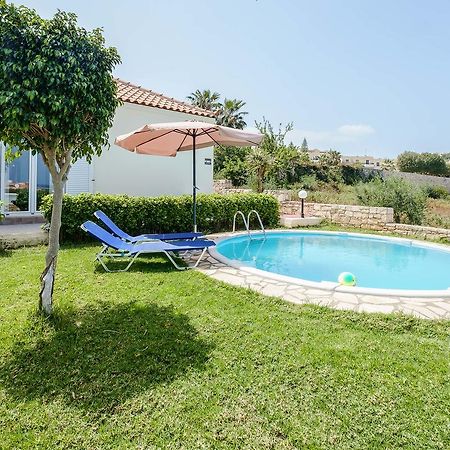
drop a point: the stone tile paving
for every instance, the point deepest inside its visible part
(425, 308)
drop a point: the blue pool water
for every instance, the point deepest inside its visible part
(376, 262)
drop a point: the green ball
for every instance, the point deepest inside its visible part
(347, 279)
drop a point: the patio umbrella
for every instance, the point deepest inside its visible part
(167, 139)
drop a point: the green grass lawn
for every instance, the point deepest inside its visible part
(156, 358)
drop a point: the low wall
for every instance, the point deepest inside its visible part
(374, 218)
(418, 178)
(225, 187)
(418, 231)
(368, 217)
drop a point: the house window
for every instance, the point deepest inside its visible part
(23, 183)
(367, 161)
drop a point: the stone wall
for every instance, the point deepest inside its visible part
(225, 187)
(418, 231)
(418, 178)
(374, 218)
(368, 217)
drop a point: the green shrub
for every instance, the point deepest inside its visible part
(408, 201)
(236, 171)
(22, 198)
(436, 192)
(166, 214)
(426, 163)
(309, 182)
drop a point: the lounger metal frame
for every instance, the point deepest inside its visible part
(107, 253)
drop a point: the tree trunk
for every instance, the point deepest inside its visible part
(48, 275)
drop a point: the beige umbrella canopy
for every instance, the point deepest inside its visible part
(167, 139)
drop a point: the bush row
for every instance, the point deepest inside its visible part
(407, 200)
(165, 214)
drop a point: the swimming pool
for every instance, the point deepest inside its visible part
(377, 262)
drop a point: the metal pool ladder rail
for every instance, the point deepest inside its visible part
(247, 221)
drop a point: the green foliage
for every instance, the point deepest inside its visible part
(228, 113)
(236, 171)
(223, 154)
(304, 146)
(259, 163)
(330, 163)
(166, 214)
(352, 174)
(425, 163)
(408, 201)
(273, 139)
(56, 88)
(388, 164)
(309, 182)
(205, 99)
(22, 198)
(436, 192)
(286, 161)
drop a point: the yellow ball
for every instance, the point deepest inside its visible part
(347, 279)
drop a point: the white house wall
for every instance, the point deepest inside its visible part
(118, 171)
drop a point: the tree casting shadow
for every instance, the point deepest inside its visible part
(98, 359)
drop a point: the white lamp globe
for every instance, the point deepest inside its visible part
(302, 194)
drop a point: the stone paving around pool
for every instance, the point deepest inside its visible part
(425, 308)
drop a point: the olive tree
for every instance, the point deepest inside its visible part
(57, 98)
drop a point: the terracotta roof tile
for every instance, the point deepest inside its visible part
(128, 92)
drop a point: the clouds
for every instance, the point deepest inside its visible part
(323, 139)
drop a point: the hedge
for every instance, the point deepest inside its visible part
(164, 214)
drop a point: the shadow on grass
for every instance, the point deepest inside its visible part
(98, 359)
(144, 263)
(4, 253)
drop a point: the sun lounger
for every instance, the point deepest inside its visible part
(143, 237)
(113, 247)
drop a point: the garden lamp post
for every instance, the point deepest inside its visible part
(302, 195)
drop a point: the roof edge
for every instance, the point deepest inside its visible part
(181, 106)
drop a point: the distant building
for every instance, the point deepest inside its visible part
(366, 161)
(315, 154)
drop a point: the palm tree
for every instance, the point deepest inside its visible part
(229, 114)
(259, 163)
(205, 99)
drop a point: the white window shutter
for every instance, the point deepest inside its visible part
(79, 178)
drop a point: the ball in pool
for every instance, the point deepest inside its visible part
(347, 279)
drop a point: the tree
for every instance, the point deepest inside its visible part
(409, 162)
(259, 163)
(425, 163)
(286, 161)
(205, 99)
(273, 140)
(330, 163)
(304, 146)
(57, 98)
(230, 114)
(388, 164)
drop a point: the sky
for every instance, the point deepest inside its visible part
(359, 76)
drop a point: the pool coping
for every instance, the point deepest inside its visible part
(424, 304)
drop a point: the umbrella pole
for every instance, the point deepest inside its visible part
(194, 187)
